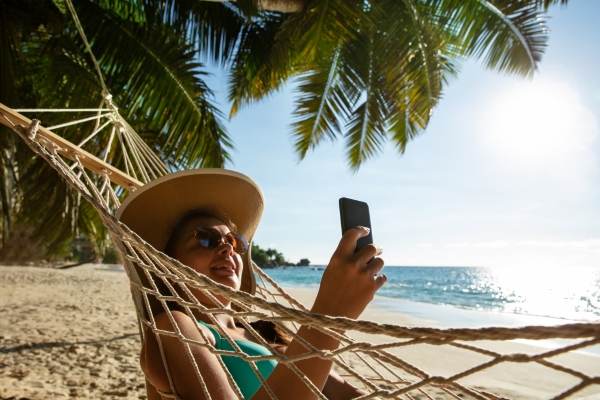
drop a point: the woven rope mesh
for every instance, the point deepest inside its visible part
(387, 352)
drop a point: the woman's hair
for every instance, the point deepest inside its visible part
(267, 329)
(271, 332)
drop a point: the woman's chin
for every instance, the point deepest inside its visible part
(233, 281)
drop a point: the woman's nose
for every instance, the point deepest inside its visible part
(224, 246)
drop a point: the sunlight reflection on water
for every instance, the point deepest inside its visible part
(568, 293)
(557, 292)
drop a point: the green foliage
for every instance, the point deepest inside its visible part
(111, 256)
(368, 72)
(150, 68)
(268, 257)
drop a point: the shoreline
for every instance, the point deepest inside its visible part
(456, 316)
(420, 314)
(462, 317)
(73, 333)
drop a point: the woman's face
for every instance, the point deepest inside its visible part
(221, 264)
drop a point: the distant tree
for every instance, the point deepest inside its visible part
(259, 256)
(271, 253)
(268, 257)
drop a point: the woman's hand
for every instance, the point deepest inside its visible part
(350, 281)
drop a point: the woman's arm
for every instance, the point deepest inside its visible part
(181, 367)
(336, 388)
(349, 283)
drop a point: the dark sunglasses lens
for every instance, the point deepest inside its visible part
(210, 239)
(204, 237)
(239, 242)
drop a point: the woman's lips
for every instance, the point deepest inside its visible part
(225, 268)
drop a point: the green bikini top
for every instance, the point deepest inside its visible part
(240, 369)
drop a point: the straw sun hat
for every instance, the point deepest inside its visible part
(157, 207)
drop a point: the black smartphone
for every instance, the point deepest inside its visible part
(355, 213)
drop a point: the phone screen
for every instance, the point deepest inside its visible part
(356, 213)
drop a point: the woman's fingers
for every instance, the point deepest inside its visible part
(367, 253)
(348, 242)
(375, 265)
(350, 279)
(380, 280)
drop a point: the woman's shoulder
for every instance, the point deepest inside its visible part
(184, 323)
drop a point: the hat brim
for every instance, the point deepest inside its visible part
(157, 207)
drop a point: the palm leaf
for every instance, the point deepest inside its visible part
(319, 108)
(419, 68)
(323, 23)
(366, 126)
(214, 28)
(509, 34)
(154, 73)
(263, 63)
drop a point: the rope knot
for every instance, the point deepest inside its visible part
(516, 357)
(437, 379)
(33, 128)
(77, 155)
(107, 97)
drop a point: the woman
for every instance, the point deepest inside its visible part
(206, 219)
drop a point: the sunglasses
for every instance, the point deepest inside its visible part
(210, 238)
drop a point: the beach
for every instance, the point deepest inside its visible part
(72, 333)
(68, 334)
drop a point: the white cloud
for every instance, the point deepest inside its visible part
(593, 243)
(492, 244)
(461, 244)
(495, 243)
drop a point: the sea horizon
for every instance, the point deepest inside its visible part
(534, 292)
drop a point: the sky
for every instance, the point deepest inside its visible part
(507, 174)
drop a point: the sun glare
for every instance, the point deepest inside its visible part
(537, 124)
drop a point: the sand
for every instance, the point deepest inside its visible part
(68, 333)
(73, 334)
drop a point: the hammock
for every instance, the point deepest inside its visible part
(390, 376)
(379, 351)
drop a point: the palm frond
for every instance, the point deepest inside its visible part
(509, 34)
(366, 126)
(418, 67)
(263, 63)
(214, 28)
(320, 108)
(154, 73)
(322, 25)
(151, 70)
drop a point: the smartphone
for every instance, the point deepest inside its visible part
(355, 213)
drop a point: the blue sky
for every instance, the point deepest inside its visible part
(506, 174)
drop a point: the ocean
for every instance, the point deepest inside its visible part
(553, 293)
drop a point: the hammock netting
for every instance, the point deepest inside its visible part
(156, 280)
(380, 349)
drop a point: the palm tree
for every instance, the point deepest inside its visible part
(367, 71)
(372, 71)
(152, 72)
